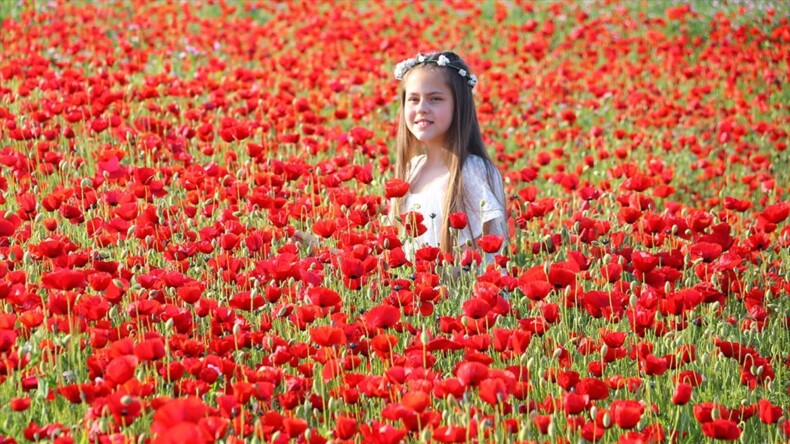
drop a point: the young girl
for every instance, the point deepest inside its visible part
(440, 153)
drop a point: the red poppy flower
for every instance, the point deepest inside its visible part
(150, 349)
(124, 408)
(458, 220)
(327, 336)
(450, 434)
(592, 432)
(682, 394)
(707, 251)
(377, 432)
(722, 429)
(345, 427)
(64, 279)
(542, 422)
(476, 308)
(324, 228)
(177, 412)
(594, 388)
(769, 413)
(626, 413)
(382, 316)
(490, 243)
(776, 213)
(638, 182)
(19, 404)
(121, 369)
(574, 403)
(653, 365)
(324, 297)
(493, 391)
(351, 267)
(394, 188)
(471, 373)
(190, 293)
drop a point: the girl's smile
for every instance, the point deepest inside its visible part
(429, 107)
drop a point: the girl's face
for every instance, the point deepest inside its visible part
(429, 107)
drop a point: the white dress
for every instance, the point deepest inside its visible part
(482, 204)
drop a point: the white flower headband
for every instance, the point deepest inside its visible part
(403, 67)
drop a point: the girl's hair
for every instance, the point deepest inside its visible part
(464, 139)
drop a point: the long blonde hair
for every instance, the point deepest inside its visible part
(464, 139)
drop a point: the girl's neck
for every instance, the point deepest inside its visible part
(435, 155)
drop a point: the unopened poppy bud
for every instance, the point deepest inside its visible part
(169, 324)
(632, 300)
(557, 353)
(69, 376)
(604, 350)
(607, 420)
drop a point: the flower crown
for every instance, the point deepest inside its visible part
(403, 67)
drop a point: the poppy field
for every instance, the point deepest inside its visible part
(158, 161)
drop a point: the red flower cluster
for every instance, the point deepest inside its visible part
(194, 243)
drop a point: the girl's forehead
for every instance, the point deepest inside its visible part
(425, 80)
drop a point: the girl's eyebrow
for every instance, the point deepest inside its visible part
(430, 93)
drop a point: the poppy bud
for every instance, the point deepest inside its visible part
(557, 353)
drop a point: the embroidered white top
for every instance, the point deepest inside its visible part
(482, 204)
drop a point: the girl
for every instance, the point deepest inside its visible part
(440, 153)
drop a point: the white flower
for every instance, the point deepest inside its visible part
(403, 67)
(400, 70)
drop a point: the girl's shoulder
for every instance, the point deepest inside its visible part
(476, 166)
